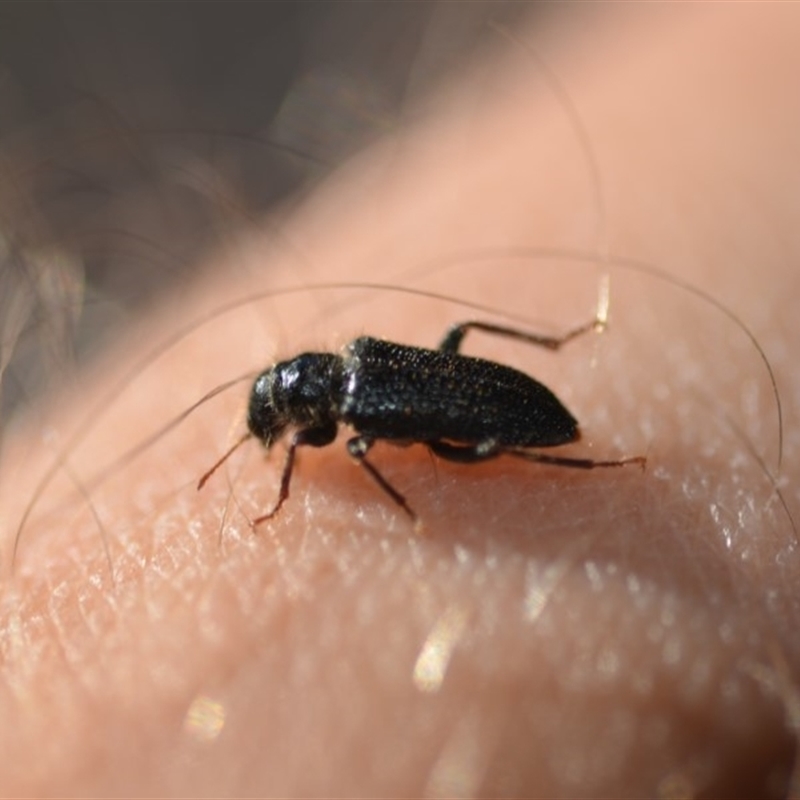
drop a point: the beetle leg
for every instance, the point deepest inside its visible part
(470, 454)
(465, 454)
(454, 337)
(315, 437)
(578, 463)
(358, 447)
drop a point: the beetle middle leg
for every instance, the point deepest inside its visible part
(465, 454)
(576, 463)
(358, 447)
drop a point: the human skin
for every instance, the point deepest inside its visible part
(551, 632)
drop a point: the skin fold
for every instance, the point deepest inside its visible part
(550, 632)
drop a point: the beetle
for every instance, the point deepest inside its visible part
(464, 409)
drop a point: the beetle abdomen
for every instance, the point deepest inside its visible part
(393, 391)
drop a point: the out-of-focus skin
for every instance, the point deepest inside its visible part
(552, 633)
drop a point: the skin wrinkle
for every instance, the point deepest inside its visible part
(273, 626)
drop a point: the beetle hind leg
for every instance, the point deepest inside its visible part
(451, 343)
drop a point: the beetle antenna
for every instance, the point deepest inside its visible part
(202, 482)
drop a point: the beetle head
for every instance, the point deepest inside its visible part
(266, 420)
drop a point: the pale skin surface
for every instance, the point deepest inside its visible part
(553, 633)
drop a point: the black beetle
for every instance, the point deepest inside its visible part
(462, 408)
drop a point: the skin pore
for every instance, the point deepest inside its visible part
(552, 633)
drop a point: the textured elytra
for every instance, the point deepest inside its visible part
(395, 391)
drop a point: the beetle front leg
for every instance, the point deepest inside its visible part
(315, 437)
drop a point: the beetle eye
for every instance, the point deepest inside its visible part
(263, 419)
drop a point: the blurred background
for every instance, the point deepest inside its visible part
(136, 136)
